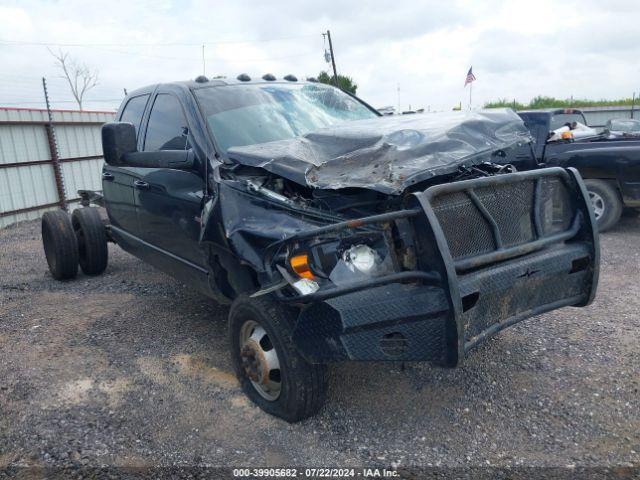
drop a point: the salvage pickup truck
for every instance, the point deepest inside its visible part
(334, 233)
(609, 166)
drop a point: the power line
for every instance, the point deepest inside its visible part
(193, 59)
(241, 60)
(168, 44)
(32, 102)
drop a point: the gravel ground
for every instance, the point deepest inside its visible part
(132, 369)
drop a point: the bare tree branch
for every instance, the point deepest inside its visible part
(80, 78)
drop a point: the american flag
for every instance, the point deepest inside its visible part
(470, 76)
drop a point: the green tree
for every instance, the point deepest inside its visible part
(344, 83)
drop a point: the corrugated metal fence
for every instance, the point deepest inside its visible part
(43, 165)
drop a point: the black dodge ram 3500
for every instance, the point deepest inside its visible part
(610, 167)
(334, 233)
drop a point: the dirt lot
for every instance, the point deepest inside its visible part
(131, 368)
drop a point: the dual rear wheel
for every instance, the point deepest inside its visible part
(72, 240)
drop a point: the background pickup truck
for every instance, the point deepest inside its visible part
(334, 233)
(609, 166)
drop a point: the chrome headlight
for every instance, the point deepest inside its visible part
(359, 262)
(334, 262)
(362, 258)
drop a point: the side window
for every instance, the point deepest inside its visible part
(133, 111)
(560, 119)
(167, 126)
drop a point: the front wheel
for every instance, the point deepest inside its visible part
(270, 370)
(605, 202)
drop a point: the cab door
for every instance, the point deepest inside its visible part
(168, 202)
(118, 181)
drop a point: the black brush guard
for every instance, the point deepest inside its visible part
(491, 252)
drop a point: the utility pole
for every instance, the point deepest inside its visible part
(204, 64)
(633, 103)
(333, 59)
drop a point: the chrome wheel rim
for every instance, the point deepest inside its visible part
(259, 360)
(597, 202)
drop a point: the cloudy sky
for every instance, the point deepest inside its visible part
(586, 48)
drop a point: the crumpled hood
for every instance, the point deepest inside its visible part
(387, 154)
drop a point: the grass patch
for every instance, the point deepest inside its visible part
(552, 102)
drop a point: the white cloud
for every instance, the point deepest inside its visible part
(518, 49)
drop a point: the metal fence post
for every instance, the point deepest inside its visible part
(53, 150)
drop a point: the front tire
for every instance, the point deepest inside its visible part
(270, 370)
(60, 245)
(605, 202)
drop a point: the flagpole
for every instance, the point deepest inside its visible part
(470, 90)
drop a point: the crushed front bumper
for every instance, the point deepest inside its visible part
(490, 252)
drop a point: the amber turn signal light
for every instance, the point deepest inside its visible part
(300, 265)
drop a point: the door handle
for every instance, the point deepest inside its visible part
(139, 184)
(107, 176)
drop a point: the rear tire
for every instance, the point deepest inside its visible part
(89, 229)
(605, 202)
(60, 245)
(258, 329)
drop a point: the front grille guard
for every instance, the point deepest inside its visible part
(502, 252)
(582, 216)
(582, 227)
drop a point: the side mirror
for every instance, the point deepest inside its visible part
(118, 139)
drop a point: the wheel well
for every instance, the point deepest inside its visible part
(229, 276)
(611, 181)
